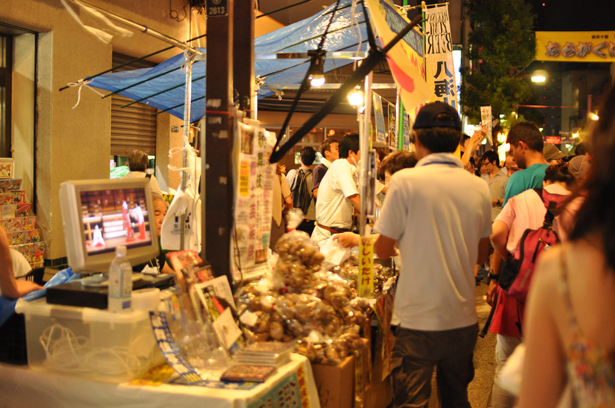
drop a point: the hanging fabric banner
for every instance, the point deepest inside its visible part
(379, 115)
(406, 57)
(253, 202)
(439, 55)
(575, 46)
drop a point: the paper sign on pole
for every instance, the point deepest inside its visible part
(405, 59)
(407, 130)
(366, 267)
(379, 115)
(439, 55)
(392, 132)
(487, 120)
(254, 196)
(575, 46)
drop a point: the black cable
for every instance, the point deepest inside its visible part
(372, 60)
(305, 84)
(370, 32)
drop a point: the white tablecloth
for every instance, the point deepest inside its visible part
(24, 387)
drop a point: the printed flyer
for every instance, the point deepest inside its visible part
(253, 205)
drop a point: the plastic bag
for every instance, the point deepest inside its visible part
(334, 253)
(183, 203)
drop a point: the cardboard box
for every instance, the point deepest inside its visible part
(34, 252)
(19, 224)
(7, 185)
(12, 197)
(335, 384)
(7, 167)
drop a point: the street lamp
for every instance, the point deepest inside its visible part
(539, 76)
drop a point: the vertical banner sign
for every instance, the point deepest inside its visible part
(439, 55)
(392, 132)
(487, 121)
(406, 57)
(379, 115)
(407, 130)
(254, 196)
(366, 267)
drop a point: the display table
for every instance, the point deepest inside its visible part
(291, 387)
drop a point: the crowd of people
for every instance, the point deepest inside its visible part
(447, 224)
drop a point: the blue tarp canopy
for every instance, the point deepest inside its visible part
(301, 36)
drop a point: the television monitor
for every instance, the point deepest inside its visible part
(99, 215)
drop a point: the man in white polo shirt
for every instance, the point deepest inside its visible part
(440, 218)
(338, 192)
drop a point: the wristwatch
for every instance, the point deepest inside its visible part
(494, 277)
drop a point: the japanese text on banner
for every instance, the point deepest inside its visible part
(366, 267)
(253, 198)
(439, 55)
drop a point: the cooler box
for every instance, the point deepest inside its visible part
(89, 343)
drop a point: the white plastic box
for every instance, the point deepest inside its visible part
(90, 343)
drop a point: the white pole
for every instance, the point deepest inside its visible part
(364, 149)
(189, 57)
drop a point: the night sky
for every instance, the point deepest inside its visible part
(578, 15)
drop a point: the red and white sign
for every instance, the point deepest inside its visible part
(553, 139)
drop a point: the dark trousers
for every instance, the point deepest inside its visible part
(307, 226)
(415, 355)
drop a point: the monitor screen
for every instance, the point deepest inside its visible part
(100, 215)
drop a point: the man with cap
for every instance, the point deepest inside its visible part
(439, 216)
(552, 154)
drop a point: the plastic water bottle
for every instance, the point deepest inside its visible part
(120, 282)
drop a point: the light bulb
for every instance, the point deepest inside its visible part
(355, 98)
(317, 80)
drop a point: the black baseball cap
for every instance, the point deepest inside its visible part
(426, 118)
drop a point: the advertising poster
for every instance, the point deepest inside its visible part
(487, 121)
(407, 129)
(575, 46)
(254, 197)
(405, 59)
(439, 55)
(392, 135)
(379, 116)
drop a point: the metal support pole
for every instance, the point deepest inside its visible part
(365, 147)
(243, 50)
(219, 140)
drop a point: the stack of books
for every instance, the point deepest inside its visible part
(268, 354)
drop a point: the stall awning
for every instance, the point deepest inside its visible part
(151, 85)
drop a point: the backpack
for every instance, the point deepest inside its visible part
(300, 191)
(517, 271)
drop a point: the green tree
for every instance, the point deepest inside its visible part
(501, 44)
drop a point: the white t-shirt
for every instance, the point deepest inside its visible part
(21, 266)
(152, 181)
(333, 208)
(438, 213)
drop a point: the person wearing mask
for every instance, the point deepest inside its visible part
(338, 192)
(570, 335)
(439, 217)
(330, 153)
